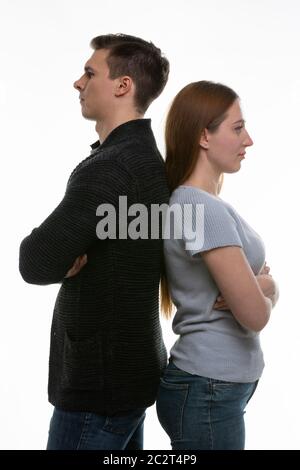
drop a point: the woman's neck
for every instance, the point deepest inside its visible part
(205, 176)
(211, 186)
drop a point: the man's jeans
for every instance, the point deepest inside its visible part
(202, 413)
(72, 430)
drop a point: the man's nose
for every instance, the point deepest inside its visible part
(78, 84)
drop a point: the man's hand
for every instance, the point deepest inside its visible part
(266, 283)
(77, 266)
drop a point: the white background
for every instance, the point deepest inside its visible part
(250, 45)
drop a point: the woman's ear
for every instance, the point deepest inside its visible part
(204, 139)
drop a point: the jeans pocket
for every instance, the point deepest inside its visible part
(124, 423)
(235, 395)
(170, 404)
(82, 364)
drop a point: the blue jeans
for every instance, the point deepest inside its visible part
(200, 413)
(75, 430)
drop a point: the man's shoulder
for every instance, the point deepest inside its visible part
(137, 151)
(120, 158)
(97, 167)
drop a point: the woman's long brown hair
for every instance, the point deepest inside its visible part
(198, 106)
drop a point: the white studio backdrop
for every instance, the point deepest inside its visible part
(250, 45)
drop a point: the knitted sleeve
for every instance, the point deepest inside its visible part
(50, 250)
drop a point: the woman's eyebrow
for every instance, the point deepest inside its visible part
(239, 121)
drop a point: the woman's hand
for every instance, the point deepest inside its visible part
(265, 269)
(269, 287)
(220, 303)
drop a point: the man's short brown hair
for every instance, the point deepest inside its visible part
(140, 60)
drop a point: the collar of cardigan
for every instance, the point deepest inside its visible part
(135, 127)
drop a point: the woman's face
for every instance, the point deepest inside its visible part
(226, 147)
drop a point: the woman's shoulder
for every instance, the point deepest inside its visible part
(213, 205)
(192, 194)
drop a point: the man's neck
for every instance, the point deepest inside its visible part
(105, 127)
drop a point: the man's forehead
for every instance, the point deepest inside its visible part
(97, 59)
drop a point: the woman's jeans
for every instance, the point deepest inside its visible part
(75, 430)
(201, 413)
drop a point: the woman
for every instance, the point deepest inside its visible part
(219, 282)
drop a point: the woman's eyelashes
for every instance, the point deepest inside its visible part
(239, 129)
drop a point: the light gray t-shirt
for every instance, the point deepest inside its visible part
(211, 343)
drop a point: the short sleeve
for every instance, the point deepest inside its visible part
(208, 223)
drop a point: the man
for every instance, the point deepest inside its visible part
(106, 351)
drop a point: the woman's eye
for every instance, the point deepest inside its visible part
(238, 129)
(89, 74)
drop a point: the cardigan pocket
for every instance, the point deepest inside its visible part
(82, 364)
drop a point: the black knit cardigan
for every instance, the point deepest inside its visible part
(106, 348)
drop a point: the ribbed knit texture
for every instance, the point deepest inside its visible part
(211, 342)
(107, 351)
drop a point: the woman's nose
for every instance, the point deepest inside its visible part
(248, 141)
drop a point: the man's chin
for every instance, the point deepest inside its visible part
(88, 116)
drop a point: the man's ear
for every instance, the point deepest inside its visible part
(204, 139)
(123, 86)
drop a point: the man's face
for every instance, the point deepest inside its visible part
(96, 89)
